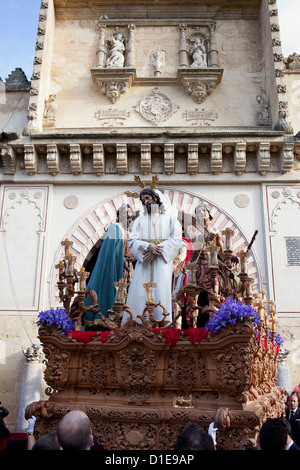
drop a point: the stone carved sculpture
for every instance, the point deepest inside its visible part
(114, 89)
(293, 62)
(49, 119)
(263, 111)
(156, 107)
(158, 60)
(116, 58)
(198, 53)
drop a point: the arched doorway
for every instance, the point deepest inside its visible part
(88, 231)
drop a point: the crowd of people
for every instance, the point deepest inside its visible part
(74, 432)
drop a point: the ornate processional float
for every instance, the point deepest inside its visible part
(141, 382)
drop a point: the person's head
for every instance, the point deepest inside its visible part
(150, 199)
(74, 431)
(193, 437)
(273, 434)
(47, 442)
(202, 212)
(293, 401)
(124, 214)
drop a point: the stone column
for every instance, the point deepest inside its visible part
(183, 52)
(130, 58)
(101, 47)
(213, 53)
(283, 373)
(31, 382)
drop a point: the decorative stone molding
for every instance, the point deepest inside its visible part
(199, 83)
(216, 161)
(9, 160)
(169, 160)
(75, 159)
(53, 159)
(156, 107)
(30, 159)
(98, 159)
(292, 63)
(113, 82)
(34, 354)
(287, 157)
(263, 158)
(146, 159)
(240, 158)
(112, 117)
(115, 69)
(193, 159)
(122, 164)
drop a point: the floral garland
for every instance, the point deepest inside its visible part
(231, 312)
(195, 335)
(86, 336)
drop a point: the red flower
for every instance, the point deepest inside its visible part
(83, 336)
(196, 335)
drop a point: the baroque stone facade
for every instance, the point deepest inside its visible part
(199, 94)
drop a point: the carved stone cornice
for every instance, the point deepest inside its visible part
(194, 154)
(200, 82)
(113, 82)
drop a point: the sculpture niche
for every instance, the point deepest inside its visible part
(114, 72)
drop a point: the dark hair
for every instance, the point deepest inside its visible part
(47, 442)
(121, 208)
(193, 437)
(152, 193)
(296, 394)
(273, 434)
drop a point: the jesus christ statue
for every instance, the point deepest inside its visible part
(155, 240)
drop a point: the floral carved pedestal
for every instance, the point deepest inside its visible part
(140, 386)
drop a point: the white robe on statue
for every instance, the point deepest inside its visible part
(166, 229)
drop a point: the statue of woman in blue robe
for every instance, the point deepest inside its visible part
(110, 267)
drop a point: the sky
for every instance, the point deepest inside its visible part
(19, 22)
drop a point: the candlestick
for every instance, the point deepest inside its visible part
(83, 275)
(191, 270)
(228, 233)
(71, 259)
(67, 243)
(213, 255)
(243, 255)
(120, 291)
(149, 286)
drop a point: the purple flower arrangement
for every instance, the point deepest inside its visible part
(231, 312)
(58, 318)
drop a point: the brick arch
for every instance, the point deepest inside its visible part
(88, 230)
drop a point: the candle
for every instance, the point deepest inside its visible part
(120, 291)
(228, 233)
(213, 256)
(61, 267)
(243, 263)
(149, 292)
(67, 243)
(82, 279)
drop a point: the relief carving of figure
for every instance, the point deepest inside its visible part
(117, 51)
(49, 111)
(198, 53)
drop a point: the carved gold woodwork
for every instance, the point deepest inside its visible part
(136, 387)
